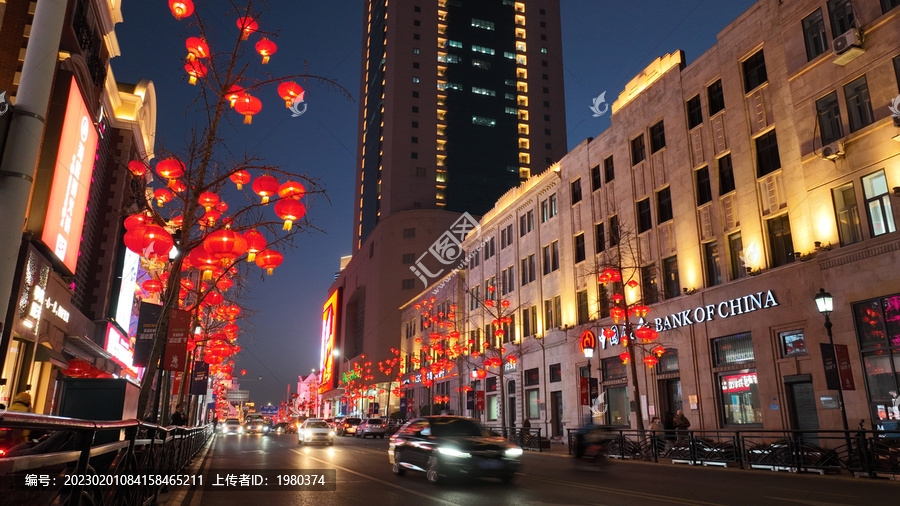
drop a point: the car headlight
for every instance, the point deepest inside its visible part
(453, 452)
(307, 433)
(240, 429)
(513, 453)
(331, 433)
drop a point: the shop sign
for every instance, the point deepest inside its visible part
(119, 346)
(722, 310)
(329, 334)
(41, 297)
(479, 400)
(585, 391)
(738, 383)
(838, 369)
(176, 341)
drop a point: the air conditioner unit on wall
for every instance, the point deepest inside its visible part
(833, 151)
(848, 46)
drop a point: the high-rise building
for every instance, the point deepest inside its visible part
(461, 101)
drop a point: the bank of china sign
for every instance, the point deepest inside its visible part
(721, 310)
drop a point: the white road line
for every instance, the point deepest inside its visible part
(389, 484)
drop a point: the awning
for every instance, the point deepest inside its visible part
(84, 348)
(48, 354)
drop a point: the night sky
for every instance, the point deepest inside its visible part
(605, 45)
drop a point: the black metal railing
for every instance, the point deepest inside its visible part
(525, 438)
(860, 452)
(115, 461)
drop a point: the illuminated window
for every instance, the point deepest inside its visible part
(480, 120)
(483, 91)
(878, 204)
(453, 43)
(482, 49)
(512, 110)
(480, 23)
(481, 64)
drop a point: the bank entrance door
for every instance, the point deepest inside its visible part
(556, 413)
(670, 402)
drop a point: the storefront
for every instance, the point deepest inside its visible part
(877, 323)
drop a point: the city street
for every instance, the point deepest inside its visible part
(364, 477)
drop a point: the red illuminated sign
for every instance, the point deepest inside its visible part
(329, 331)
(739, 383)
(71, 179)
(588, 340)
(119, 346)
(176, 341)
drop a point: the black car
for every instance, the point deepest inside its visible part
(452, 446)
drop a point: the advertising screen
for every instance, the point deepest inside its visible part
(71, 179)
(125, 304)
(329, 331)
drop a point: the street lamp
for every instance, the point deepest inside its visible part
(825, 305)
(588, 342)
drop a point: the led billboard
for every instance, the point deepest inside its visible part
(329, 334)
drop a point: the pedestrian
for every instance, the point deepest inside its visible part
(21, 404)
(895, 404)
(657, 436)
(681, 423)
(178, 417)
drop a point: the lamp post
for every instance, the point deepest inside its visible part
(337, 354)
(825, 305)
(587, 347)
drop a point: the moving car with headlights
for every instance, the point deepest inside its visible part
(371, 427)
(349, 426)
(452, 446)
(256, 426)
(232, 426)
(315, 430)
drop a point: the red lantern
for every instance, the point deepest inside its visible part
(152, 285)
(181, 8)
(240, 178)
(289, 210)
(266, 48)
(625, 357)
(640, 311)
(213, 299)
(248, 105)
(265, 187)
(643, 333)
(658, 350)
(197, 48)
(149, 241)
(650, 361)
(178, 220)
(177, 185)
(136, 220)
(269, 260)
(221, 206)
(617, 313)
(208, 200)
(243, 372)
(195, 69)
(210, 217)
(233, 94)
(225, 245)
(289, 91)
(203, 260)
(632, 284)
(291, 189)
(170, 168)
(256, 242)
(137, 168)
(247, 25)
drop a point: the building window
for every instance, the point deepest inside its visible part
(740, 400)
(532, 404)
(483, 50)
(841, 14)
(726, 175)
(528, 270)
(482, 121)
(581, 300)
(668, 362)
(603, 305)
(637, 150)
(767, 159)
(557, 311)
(754, 71)
(781, 246)
(609, 172)
(551, 257)
(704, 191)
(580, 253)
(829, 116)
(474, 297)
(649, 284)
(555, 373)
(553, 209)
(814, 35)
(716, 97)
(887, 5)
(408, 284)
(644, 218)
(613, 230)
(657, 137)
(409, 233)
(545, 211)
(548, 314)
(492, 405)
(483, 91)
(409, 258)
(414, 155)
(576, 191)
(736, 255)
(613, 369)
(526, 223)
(878, 203)
(859, 106)
(792, 343)
(897, 67)
(733, 350)
(694, 112)
(595, 178)
(876, 324)
(481, 64)
(529, 321)
(711, 261)
(599, 238)
(415, 79)
(480, 23)
(670, 277)
(663, 205)
(846, 213)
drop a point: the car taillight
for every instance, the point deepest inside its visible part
(346, 425)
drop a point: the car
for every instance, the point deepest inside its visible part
(452, 446)
(371, 427)
(257, 426)
(315, 430)
(232, 426)
(349, 425)
(280, 428)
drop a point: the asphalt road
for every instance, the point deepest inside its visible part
(363, 476)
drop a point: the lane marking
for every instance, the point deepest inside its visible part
(619, 491)
(389, 484)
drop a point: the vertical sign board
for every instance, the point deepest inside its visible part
(595, 387)
(584, 389)
(403, 406)
(832, 375)
(199, 378)
(329, 334)
(147, 323)
(176, 342)
(470, 400)
(71, 180)
(845, 369)
(176, 383)
(479, 400)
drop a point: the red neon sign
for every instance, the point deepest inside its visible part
(71, 180)
(738, 383)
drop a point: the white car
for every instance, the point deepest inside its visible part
(315, 430)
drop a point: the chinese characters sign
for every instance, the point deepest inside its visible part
(176, 344)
